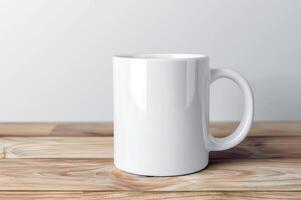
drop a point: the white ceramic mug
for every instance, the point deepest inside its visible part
(161, 113)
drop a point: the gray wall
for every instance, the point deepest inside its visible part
(55, 55)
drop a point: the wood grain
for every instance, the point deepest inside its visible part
(100, 175)
(83, 129)
(26, 129)
(74, 161)
(219, 129)
(259, 128)
(32, 195)
(120, 195)
(192, 195)
(102, 147)
(57, 147)
(2, 151)
(262, 148)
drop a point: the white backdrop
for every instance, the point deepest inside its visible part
(55, 55)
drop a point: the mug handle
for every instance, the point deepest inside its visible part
(218, 144)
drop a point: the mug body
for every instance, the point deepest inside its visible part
(161, 113)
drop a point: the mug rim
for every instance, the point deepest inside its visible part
(162, 56)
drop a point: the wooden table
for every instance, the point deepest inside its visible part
(74, 161)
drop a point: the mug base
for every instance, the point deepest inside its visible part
(162, 174)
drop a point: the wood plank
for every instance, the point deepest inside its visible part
(259, 128)
(83, 129)
(219, 129)
(262, 148)
(100, 175)
(32, 195)
(57, 129)
(102, 147)
(26, 129)
(150, 195)
(57, 147)
(192, 195)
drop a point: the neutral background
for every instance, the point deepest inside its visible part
(55, 55)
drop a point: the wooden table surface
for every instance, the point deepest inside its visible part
(75, 161)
